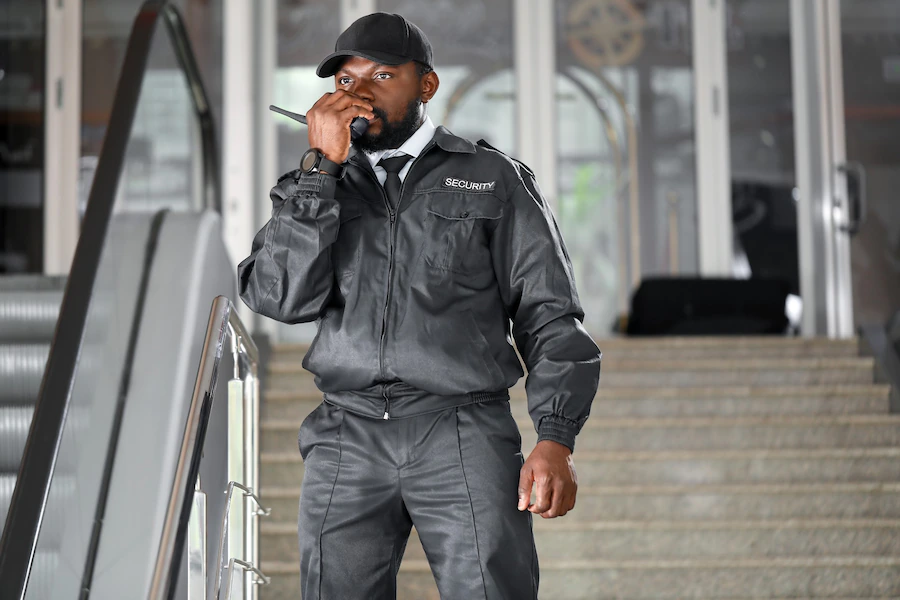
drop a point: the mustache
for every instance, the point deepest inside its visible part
(380, 113)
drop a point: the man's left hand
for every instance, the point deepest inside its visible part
(550, 467)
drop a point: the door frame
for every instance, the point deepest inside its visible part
(712, 139)
(62, 133)
(820, 153)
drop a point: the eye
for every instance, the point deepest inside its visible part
(344, 81)
(383, 75)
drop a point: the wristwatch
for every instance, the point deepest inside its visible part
(313, 160)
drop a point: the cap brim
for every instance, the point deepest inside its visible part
(331, 63)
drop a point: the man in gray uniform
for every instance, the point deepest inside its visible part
(421, 257)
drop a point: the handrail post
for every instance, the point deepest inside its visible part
(251, 475)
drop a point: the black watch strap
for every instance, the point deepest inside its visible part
(331, 167)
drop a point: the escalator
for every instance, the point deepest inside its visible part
(100, 441)
(29, 307)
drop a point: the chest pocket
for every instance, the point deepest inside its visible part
(457, 227)
(346, 249)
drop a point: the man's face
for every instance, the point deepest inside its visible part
(395, 92)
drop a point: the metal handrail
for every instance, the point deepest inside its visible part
(29, 500)
(223, 321)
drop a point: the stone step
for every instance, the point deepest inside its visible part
(732, 433)
(685, 347)
(689, 433)
(829, 465)
(680, 373)
(619, 540)
(662, 402)
(683, 502)
(758, 577)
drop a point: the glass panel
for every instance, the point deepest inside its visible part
(760, 105)
(165, 134)
(71, 511)
(163, 164)
(871, 62)
(625, 147)
(21, 136)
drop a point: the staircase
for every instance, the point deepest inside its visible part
(710, 468)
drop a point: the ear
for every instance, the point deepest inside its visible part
(429, 86)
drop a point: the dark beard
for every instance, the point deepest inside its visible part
(392, 134)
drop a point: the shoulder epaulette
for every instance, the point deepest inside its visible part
(484, 144)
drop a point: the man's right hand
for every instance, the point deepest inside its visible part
(329, 123)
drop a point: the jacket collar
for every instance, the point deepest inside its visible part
(443, 139)
(451, 143)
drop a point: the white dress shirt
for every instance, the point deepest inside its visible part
(413, 147)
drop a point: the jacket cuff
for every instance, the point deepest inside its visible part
(558, 429)
(322, 185)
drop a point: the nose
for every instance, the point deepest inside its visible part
(363, 90)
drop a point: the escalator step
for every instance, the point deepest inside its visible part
(15, 421)
(21, 369)
(36, 283)
(29, 315)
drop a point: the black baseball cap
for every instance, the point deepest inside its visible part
(385, 38)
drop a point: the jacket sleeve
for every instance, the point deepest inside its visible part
(537, 286)
(288, 275)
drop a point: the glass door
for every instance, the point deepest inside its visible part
(846, 84)
(870, 47)
(625, 146)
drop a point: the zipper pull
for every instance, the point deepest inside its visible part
(386, 416)
(392, 217)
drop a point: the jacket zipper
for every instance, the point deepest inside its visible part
(387, 403)
(387, 205)
(390, 282)
(392, 215)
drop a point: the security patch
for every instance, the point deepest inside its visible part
(473, 186)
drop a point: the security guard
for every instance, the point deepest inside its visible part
(414, 257)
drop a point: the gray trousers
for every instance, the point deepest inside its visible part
(453, 474)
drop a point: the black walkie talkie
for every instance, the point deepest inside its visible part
(357, 127)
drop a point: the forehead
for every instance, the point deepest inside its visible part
(358, 64)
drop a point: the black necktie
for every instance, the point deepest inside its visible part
(393, 166)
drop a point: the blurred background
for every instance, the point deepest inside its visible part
(620, 106)
(725, 175)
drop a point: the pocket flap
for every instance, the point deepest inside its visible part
(460, 207)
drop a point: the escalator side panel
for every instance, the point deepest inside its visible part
(94, 395)
(191, 268)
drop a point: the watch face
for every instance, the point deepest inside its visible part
(309, 160)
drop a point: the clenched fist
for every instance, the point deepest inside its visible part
(551, 471)
(329, 123)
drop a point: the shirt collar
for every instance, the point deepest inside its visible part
(412, 146)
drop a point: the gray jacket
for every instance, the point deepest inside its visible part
(413, 306)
